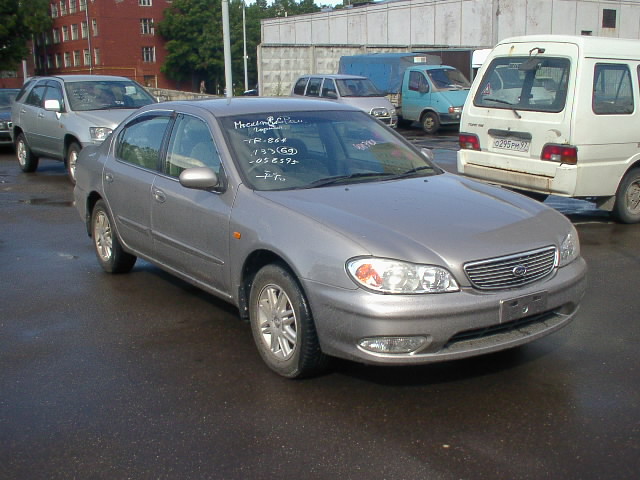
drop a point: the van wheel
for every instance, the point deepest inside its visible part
(282, 324)
(430, 122)
(627, 206)
(27, 160)
(72, 160)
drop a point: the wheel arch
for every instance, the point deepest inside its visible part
(252, 264)
(68, 140)
(92, 199)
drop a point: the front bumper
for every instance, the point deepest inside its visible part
(456, 325)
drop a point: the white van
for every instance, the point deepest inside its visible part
(350, 89)
(556, 114)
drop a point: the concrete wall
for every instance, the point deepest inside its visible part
(313, 43)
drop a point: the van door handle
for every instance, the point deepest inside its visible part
(495, 132)
(159, 195)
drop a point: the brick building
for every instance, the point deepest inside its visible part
(106, 37)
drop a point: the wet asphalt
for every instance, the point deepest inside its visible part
(142, 376)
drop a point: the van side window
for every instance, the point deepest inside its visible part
(612, 90)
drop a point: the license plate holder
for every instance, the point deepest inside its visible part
(525, 306)
(511, 144)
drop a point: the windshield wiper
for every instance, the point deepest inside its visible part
(331, 180)
(413, 171)
(504, 102)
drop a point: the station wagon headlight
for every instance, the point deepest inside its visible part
(569, 248)
(98, 134)
(385, 275)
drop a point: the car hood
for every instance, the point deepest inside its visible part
(105, 118)
(455, 97)
(367, 103)
(443, 218)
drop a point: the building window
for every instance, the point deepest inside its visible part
(96, 56)
(58, 60)
(94, 27)
(146, 26)
(54, 10)
(84, 30)
(608, 18)
(76, 58)
(74, 31)
(63, 7)
(49, 61)
(65, 33)
(67, 59)
(149, 54)
(83, 5)
(87, 56)
(56, 35)
(145, 3)
(73, 6)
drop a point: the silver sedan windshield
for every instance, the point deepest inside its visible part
(313, 149)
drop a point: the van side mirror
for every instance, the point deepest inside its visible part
(52, 105)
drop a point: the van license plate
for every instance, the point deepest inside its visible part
(508, 144)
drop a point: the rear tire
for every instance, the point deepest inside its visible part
(112, 257)
(430, 123)
(282, 325)
(627, 205)
(27, 160)
(72, 160)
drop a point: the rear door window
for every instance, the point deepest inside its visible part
(313, 89)
(612, 89)
(525, 83)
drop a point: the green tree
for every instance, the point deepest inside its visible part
(19, 20)
(193, 33)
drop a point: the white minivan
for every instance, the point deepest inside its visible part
(560, 115)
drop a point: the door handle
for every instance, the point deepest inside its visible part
(40, 115)
(159, 195)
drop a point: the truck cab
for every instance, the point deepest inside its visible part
(433, 95)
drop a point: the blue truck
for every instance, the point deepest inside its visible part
(421, 89)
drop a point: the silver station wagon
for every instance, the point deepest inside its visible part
(332, 234)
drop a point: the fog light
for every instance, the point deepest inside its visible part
(392, 344)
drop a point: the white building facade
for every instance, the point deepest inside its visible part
(313, 43)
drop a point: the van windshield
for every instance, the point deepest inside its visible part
(524, 83)
(448, 79)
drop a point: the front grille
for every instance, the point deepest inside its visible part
(511, 271)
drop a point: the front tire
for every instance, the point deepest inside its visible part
(282, 325)
(27, 160)
(72, 160)
(112, 257)
(430, 123)
(627, 205)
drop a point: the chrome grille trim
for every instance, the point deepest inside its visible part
(498, 273)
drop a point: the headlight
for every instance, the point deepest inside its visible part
(3, 125)
(380, 112)
(385, 275)
(569, 248)
(99, 133)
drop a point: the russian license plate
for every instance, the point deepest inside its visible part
(513, 145)
(521, 307)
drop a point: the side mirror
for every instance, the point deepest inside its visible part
(52, 105)
(199, 178)
(331, 94)
(428, 154)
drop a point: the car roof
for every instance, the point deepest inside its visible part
(223, 107)
(83, 78)
(335, 76)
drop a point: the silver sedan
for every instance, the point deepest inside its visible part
(333, 235)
